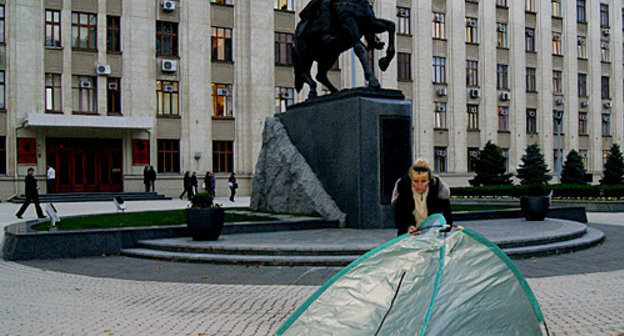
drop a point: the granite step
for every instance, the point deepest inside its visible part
(592, 237)
(94, 197)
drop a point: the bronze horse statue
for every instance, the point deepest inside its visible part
(331, 27)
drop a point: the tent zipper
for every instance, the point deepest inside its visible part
(391, 303)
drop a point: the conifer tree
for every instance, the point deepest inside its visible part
(490, 167)
(573, 171)
(533, 169)
(614, 167)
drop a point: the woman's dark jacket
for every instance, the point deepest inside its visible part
(437, 202)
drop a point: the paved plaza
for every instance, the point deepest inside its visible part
(126, 296)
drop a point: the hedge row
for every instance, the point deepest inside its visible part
(559, 190)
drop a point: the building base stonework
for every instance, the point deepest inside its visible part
(284, 182)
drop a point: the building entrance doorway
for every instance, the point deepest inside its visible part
(86, 165)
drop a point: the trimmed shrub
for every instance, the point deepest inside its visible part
(490, 167)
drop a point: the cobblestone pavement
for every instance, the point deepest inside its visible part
(34, 301)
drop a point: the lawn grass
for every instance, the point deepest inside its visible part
(463, 207)
(138, 219)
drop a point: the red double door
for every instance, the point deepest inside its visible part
(85, 164)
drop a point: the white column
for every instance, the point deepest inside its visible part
(594, 35)
(456, 76)
(544, 81)
(422, 86)
(488, 109)
(517, 65)
(570, 77)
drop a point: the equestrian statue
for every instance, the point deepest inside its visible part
(330, 27)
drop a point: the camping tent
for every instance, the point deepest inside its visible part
(430, 284)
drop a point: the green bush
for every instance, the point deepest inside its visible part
(559, 190)
(202, 200)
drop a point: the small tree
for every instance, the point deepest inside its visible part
(533, 169)
(614, 167)
(490, 167)
(573, 169)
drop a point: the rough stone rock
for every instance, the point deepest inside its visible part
(284, 182)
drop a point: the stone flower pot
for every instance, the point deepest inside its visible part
(535, 208)
(205, 223)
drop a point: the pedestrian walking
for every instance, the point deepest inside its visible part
(207, 182)
(186, 185)
(152, 178)
(213, 185)
(51, 180)
(233, 186)
(193, 189)
(32, 195)
(146, 178)
(417, 195)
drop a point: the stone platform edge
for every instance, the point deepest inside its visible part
(21, 243)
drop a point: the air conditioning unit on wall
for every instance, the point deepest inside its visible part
(442, 92)
(584, 103)
(607, 104)
(168, 5)
(505, 96)
(103, 69)
(475, 93)
(168, 65)
(441, 108)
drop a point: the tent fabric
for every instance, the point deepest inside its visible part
(429, 284)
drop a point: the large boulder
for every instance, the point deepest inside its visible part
(284, 182)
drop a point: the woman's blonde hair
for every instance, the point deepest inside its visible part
(420, 166)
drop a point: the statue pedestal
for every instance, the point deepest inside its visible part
(358, 143)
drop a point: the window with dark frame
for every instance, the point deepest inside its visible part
(529, 40)
(531, 121)
(606, 124)
(113, 95)
(167, 98)
(3, 155)
(502, 77)
(439, 70)
(556, 43)
(557, 122)
(471, 30)
(582, 85)
(530, 5)
(84, 31)
(473, 155)
(113, 34)
(223, 2)
(501, 32)
(583, 153)
(222, 156)
(582, 125)
(472, 118)
(503, 119)
(2, 25)
(284, 49)
(168, 156)
(604, 52)
(439, 162)
(557, 81)
(2, 91)
(440, 115)
(605, 91)
(403, 21)
(166, 39)
(556, 8)
(580, 11)
(581, 42)
(52, 28)
(439, 26)
(84, 93)
(530, 80)
(501, 3)
(222, 100)
(221, 44)
(604, 15)
(284, 97)
(53, 93)
(472, 73)
(404, 64)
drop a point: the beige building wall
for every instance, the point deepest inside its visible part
(254, 77)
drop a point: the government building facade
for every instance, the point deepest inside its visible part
(100, 89)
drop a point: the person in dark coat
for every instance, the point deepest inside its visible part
(187, 184)
(233, 186)
(207, 182)
(32, 195)
(419, 194)
(213, 185)
(146, 178)
(193, 188)
(152, 178)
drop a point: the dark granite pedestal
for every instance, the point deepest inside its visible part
(358, 142)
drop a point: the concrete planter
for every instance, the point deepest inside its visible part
(535, 208)
(205, 224)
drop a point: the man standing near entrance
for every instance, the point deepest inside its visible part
(51, 180)
(32, 195)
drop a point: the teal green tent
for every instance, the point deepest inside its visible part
(430, 284)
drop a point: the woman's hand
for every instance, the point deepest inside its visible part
(413, 231)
